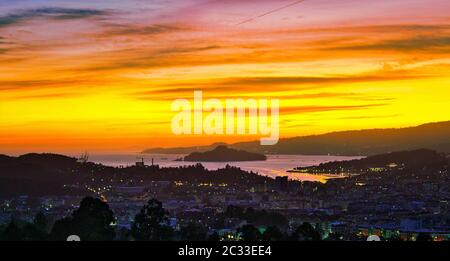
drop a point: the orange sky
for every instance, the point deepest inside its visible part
(101, 76)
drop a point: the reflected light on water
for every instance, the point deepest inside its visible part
(274, 166)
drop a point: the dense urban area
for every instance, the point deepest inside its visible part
(401, 196)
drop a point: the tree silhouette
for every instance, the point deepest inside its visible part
(62, 229)
(335, 237)
(272, 233)
(40, 221)
(306, 232)
(24, 232)
(123, 234)
(214, 237)
(193, 232)
(31, 232)
(11, 232)
(423, 237)
(395, 238)
(249, 233)
(92, 221)
(151, 223)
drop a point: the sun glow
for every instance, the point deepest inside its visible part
(103, 80)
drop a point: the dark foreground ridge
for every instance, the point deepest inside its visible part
(52, 174)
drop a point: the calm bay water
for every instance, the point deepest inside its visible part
(275, 165)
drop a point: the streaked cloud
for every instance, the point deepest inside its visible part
(140, 30)
(251, 85)
(315, 109)
(48, 12)
(420, 43)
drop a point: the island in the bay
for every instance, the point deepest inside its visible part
(398, 196)
(224, 154)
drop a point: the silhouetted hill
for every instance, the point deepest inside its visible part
(51, 174)
(40, 174)
(416, 159)
(39, 166)
(434, 136)
(224, 154)
(184, 150)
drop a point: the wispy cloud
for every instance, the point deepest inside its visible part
(140, 30)
(50, 12)
(43, 84)
(245, 85)
(311, 109)
(242, 81)
(422, 43)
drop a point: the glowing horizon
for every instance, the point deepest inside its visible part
(101, 76)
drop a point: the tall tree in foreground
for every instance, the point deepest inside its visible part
(25, 231)
(11, 232)
(249, 233)
(92, 221)
(41, 222)
(214, 237)
(193, 232)
(152, 223)
(423, 237)
(272, 233)
(306, 232)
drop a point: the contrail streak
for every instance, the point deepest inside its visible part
(270, 12)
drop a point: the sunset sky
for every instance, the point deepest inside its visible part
(100, 76)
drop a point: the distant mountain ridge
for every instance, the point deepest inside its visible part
(185, 150)
(434, 136)
(224, 154)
